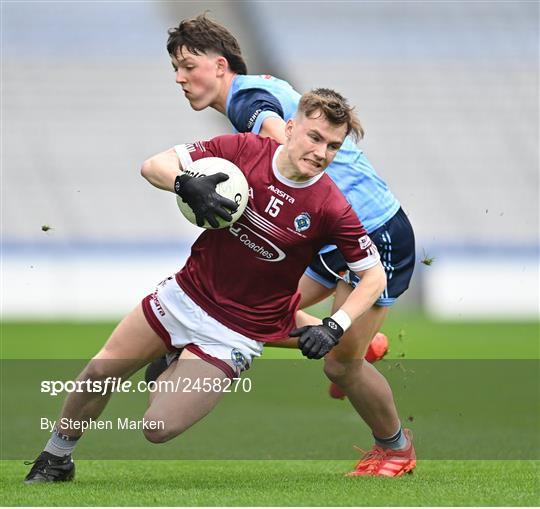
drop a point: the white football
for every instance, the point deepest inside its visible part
(235, 188)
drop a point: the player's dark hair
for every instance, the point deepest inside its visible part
(202, 35)
(334, 107)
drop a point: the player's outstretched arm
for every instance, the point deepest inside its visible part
(315, 341)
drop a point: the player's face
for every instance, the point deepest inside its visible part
(199, 77)
(312, 144)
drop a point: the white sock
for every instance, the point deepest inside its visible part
(61, 445)
(397, 441)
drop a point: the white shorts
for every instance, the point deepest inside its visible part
(181, 323)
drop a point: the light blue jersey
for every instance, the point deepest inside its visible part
(253, 99)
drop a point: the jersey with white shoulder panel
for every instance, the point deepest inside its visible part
(252, 99)
(246, 276)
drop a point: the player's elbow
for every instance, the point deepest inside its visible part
(147, 169)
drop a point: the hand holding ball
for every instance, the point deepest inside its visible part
(212, 192)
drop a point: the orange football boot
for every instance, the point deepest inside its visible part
(380, 461)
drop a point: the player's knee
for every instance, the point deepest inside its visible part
(158, 432)
(157, 429)
(342, 372)
(157, 436)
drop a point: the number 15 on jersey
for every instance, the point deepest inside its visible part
(274, 206)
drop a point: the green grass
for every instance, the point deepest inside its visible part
(288, 482)
(410, 334)
(281, 483)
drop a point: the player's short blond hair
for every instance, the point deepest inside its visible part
(334, 107)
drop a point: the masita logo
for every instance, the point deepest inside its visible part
(264, 248)
(281, 194)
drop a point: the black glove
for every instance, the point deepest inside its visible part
(200, 194)
(317, 340)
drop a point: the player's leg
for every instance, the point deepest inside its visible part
(193, 389)
(372, 397)
(130, 346)
(212, 355)
(313, 292)
(160, 371)
(370, 394)
(367, 389)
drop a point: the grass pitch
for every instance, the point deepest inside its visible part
(284, 482)
(277, 483)
(411, 335)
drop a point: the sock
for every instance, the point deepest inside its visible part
(396, 441)
(60, 445)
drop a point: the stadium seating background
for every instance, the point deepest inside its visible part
(448, 93)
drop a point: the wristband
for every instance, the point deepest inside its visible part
(342, 319)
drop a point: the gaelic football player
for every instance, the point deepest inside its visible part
(224, 339)
(211, 71)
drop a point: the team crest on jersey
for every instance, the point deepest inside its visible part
(238, 359)
(302, 222)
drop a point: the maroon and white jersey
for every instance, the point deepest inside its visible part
(246, 276)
